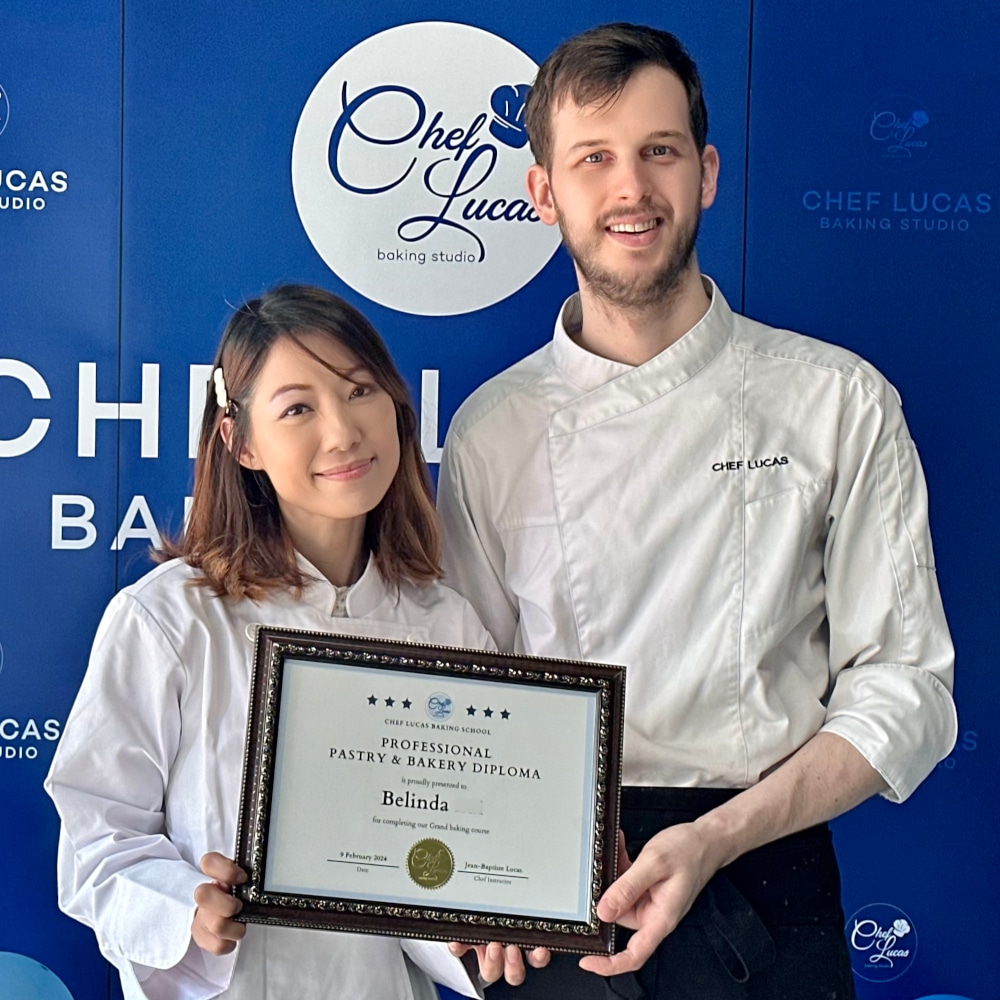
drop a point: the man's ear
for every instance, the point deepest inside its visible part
(246, 457)
(709, 175)
(540, 193)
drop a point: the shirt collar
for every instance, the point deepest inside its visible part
(363, 596)
(676, 363)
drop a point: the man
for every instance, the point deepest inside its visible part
(734, 512)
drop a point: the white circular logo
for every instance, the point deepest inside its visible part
(21, 977)
(4, 109)
(439, 706)
(408, 170)
(883, 942)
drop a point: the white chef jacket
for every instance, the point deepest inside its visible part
(147, 774)
(741, 521)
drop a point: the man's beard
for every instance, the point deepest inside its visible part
(627, 292)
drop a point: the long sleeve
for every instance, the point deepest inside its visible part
(118, 869)
(891, 656)
(146, 779)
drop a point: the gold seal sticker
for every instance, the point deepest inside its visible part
(430, 863)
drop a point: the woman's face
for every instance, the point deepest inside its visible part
(329, 445)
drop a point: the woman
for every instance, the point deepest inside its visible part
(312, 509)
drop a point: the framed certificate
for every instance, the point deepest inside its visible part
(426, 791)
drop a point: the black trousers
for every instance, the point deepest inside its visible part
(767, 927)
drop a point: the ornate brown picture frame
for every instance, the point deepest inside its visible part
(434, 792)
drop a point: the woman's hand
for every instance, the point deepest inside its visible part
(495, 960)
(213, 928)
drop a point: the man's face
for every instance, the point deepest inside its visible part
(627, 187)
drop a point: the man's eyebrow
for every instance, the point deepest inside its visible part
(667, 134)
(586, 144)
(651, 137)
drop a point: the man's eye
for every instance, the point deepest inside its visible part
(660, 150)
(594, 158)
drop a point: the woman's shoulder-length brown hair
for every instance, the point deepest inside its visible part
(234, 532)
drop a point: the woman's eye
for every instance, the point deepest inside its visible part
(295, 410)
(360, 390)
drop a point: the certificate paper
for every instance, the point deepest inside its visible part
(446, 793)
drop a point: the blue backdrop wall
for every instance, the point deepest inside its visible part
(158, 162)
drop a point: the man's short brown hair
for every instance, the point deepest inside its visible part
(593, 68)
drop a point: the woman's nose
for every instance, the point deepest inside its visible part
(341, 430)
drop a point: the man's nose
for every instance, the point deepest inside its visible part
(632, 182)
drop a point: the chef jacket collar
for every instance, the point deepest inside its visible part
(675, 364)
(363, 596)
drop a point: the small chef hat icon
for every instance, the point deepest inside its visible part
(507, 104)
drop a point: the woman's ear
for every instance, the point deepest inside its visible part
(227, 431)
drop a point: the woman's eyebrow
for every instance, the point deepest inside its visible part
(291, 387)
(348, 376)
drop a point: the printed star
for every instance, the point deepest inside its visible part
(505, 714)
(389, 702)
(407, 703)
(372, 700)
(488, 712)
(470, 710)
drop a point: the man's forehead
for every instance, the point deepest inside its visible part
(653, 96)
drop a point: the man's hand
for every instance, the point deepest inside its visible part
(213, 928)
(653, 893)
(495, 960)
(822, 779)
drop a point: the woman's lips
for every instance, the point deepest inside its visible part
(353, 470)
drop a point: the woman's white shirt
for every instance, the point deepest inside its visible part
(147, 775)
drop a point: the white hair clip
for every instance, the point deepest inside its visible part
(221, 396)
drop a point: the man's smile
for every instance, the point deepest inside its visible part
(634, 227)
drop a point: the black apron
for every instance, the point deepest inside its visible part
(767, 927)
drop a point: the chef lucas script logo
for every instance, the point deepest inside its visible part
(408, 170)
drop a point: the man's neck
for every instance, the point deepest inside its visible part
(633, 337)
